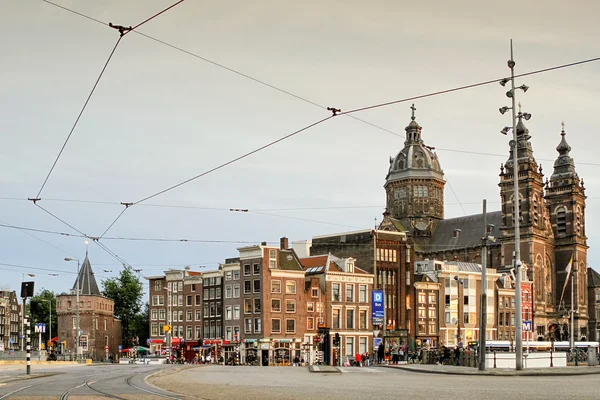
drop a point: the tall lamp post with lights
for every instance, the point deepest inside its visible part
(514, 144)
(77, 331)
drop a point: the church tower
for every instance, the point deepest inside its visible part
(565, 198)
(537, 253)
(415, 184)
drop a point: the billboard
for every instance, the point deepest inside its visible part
(377, 307)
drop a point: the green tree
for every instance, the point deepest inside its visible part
(39, 308)
(142, 323)
(127, 291)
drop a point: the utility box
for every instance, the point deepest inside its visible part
(591, 356)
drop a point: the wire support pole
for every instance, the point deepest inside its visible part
(79, 116)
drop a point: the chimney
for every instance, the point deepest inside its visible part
(263, 243)
(283, 243)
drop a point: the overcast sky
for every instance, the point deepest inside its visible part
(160, 116)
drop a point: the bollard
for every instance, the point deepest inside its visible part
(551, 361)
(494, 359)
(576, 357)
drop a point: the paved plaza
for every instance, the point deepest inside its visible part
(266, 383)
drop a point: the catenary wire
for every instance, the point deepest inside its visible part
(43, 269)
(222, 166)
(79, 116)
(94, 240)
(321, 106)
(4, 223)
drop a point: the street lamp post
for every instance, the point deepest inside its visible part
(77, 333)
(459, 283)
(516, 215)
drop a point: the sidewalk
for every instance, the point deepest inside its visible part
(453, 370)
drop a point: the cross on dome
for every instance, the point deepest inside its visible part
(413, 108)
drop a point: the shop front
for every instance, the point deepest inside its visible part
(212, 351)
(250, 353)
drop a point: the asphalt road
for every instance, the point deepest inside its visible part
(283, 383)
(82, 382)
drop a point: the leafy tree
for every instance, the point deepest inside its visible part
(39, 308)
(142, 322)
(127, 291)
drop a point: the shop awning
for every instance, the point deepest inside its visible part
(175, 341)
(157, 341)
(54, 339)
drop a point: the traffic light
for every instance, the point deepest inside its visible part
(336, 339)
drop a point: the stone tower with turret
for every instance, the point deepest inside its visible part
(415, 184)
(565, 199)
(537, 239)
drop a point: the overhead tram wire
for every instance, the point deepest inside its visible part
(93, 239)
(338, 113)
(123, 31)
(6, 224)
(281, 139)
(348, 113)
(78, 117)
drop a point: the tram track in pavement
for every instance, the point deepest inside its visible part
(89, 382)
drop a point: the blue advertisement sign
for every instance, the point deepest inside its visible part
(377, 307)
(376, 342)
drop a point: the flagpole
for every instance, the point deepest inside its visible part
(572, 316)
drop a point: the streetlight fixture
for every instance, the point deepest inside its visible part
(516, 217)
(77, 331)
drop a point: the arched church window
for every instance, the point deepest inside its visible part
(561, 221)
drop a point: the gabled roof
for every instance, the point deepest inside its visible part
(86, 279)
(470, 234)
(288, 261)
(593, 278)
(314, 261)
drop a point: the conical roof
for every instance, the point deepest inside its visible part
(564, 166)
(86, 279)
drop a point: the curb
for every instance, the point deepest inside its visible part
(559, 372)
(329, 370)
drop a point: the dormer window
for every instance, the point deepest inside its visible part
(456, 232)
(350, 267)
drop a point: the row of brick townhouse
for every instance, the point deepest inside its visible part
(10, 320)
(265, 307)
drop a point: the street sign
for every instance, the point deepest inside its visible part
(167, 328)
(377, 307)
(40, 328)
(148, 341)
(527, 325)
(120, 347)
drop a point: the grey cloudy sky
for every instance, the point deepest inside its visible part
(160, 116)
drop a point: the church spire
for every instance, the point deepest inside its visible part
(564, 166)
(86, 279)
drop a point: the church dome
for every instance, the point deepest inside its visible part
(415, 160)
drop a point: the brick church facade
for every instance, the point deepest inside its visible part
(552, 223)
